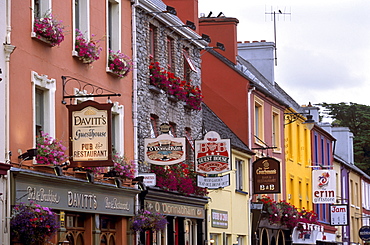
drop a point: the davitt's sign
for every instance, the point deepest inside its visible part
(213, 154)
(323, 186)
(266, 175)
(90, 134)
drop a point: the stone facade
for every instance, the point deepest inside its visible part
(158, 102)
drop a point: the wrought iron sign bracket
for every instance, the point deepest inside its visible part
(82, 89)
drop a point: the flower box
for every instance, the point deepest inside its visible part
(48, 30)
(172, 98)
(87, 51)
(41, 39)
(154, 89)
(119, 64)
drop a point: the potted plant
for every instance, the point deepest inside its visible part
(32, 224)
(87, 50)
(146, 220)
(122, 168)
(49, 150)
(119, 63)
(48, 29)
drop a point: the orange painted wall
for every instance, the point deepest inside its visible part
(221, 30)
(226, 93)
(33, 55)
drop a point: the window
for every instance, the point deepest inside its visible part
(239, 173)
(152, 43)
(81, 12)
(172, 131)
(240, 240)
(276, 129)
(117, 127)
(170, 60)
(114, 25)
(188, 65)
(43, 104)
(75, 228)
(41, 7)
(258, 120)
(153, 126)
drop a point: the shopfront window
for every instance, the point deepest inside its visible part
(75, 225)
(108, 230)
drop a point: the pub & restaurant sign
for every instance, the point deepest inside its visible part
(90, 134)
(266, 175)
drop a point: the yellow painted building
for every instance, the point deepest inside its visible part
(298, 161)
(228, 208)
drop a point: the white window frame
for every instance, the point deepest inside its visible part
(259, 121)
(45, 5)
(48, 86)
(239, 174)
(84, 20)
(118, 111)
(116, 25)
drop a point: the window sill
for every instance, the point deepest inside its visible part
(172, 98)
(41, 39)
(241, 192)
(154, 89)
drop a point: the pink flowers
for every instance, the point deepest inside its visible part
(119, 63)
(87, 50)
(123, 167)
(146, 220)
(182, 90)
(49, 28)
(49, 151)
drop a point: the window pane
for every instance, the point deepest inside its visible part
(39, 110)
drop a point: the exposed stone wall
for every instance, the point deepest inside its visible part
(158, 103)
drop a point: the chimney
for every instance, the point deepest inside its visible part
(261, 56)
(186, 10)
(223, 30)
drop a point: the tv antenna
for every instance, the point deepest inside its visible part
(273, 13)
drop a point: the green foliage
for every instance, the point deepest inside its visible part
(357, 118)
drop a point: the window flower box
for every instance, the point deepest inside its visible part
(86, 50)
(48, 30)
(119, 64)
(50, 151)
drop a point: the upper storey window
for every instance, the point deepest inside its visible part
(114, 25)
(41, 7)
(81, 14)
(152, 42)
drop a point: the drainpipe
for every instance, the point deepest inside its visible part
(8, 48)
(250, 233)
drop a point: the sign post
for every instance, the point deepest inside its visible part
(339, 214)
(266, 175)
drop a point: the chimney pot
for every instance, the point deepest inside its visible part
(262, 41)
(255, 41)
(246, 41)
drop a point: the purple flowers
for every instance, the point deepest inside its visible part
(119, 63)
(87, 50)
(33, 224)
(146, 220)
(49, 151)
(49, 28)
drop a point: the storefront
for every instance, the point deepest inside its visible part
(89, 213)
(185, 216)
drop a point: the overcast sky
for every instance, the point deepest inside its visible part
(323, 46)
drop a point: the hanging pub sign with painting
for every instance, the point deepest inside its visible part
(164, 150)
(90, 134)
(213, 154)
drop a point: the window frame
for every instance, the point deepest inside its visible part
(113, 25)
(48, 86)
(276, 132)
(82, 12)
(258, 121)
(239, 174)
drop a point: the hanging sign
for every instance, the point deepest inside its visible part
(213, 154)
(266, 175)
(213, 182)
(164, 150)
(90, 134)
(339, 214)
(323, 186)
(364, 233)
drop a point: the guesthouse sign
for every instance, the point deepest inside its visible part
(90, 134)
(266, 175)
(212, 154)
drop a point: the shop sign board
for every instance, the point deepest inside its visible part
(173, 209)
(164, 150)
(212, 154)
(90, 134)
(323, 186)
(266, 176)
(219, 219)
(339, 214)
(213, 182)
(74, 197)
(364, 233)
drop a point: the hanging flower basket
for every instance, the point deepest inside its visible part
(50, 151)
(146, 220)
(119, 63)
(32, 224)
(49, 29)
(87, 50)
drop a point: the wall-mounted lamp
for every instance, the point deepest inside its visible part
(139, 180)
(204, 37)
(29, 155)
(292, 117)
(219, 45)
(189, 24)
